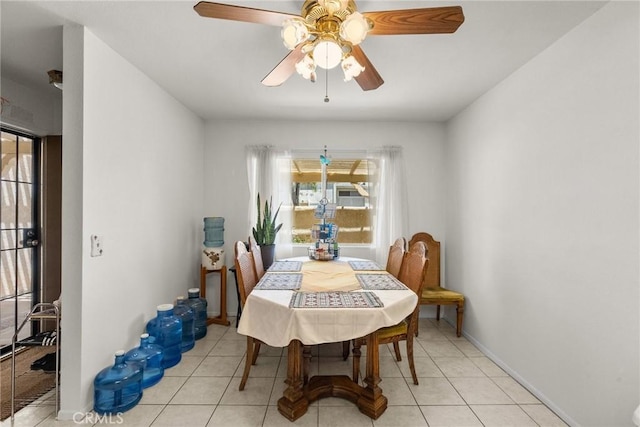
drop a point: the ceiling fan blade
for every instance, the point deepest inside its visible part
(369, 79)
(435, 20)
(285, 68)
(241, 13)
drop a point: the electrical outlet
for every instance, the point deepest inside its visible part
(96, 245)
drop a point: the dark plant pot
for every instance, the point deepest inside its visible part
(268, 254)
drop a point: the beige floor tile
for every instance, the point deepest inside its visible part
(329, 416)
(427, 332)
(480, 391)
(405, 416)
(257, 391)
(268, 351)
(458, 367)
(219, 366)
(425, 367)
(333, 349)
(184, 415)
(238, 416)
(202, 347)
(435, 391)
(232, 334)
(397, 392)
(265, 367)
(450, 416)
(334, 365)
(466, 347)
(442, 349)
(489, 368)
(418, 350)
(226, 347)
(29, 416)
(515, 391)
(201, 391)
(502, 416)
(163, 392)
(276, 419)
(140, 416)
(543, 416)
(185, 368)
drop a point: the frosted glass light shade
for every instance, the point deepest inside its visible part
(327, 54)
(294, 31)
(354, 29)
(351, 68)
(307, 68)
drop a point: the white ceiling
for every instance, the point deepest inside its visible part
(214, 67)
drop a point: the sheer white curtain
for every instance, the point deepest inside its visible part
(269, 173)
(392, 212)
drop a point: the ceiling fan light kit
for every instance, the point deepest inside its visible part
(329, 32)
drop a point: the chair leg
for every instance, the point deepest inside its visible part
(247, 363)
(438, 313)
(412, 365)
(459, 315)
(256, 351)
(345, 349)
(396, 348)
(356, 360)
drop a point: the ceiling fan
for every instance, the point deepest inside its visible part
(329, 32)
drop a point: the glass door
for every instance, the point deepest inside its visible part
(19, 233)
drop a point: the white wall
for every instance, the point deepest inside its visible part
(227, 189)
(542, 220)
(30, 110)
(133, 173)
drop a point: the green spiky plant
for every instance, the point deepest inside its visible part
(266, 229)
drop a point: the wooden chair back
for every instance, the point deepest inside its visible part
(413, 267)
(396, 254)
(245, 271)
(432, 274)
(257, 257)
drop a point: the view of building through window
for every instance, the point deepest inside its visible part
(349, 186)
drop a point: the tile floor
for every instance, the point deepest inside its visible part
(459, 386)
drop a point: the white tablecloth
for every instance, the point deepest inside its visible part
(267, 317)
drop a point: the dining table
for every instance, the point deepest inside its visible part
(301, 302)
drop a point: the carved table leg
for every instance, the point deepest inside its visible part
(371, 402)
(293, 404)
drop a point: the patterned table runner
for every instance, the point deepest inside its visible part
(365, 265)
(379, 282)
(286, 266)
(335, 300)
(280, 281)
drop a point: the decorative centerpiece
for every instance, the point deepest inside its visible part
(266, 230)
(325, 233)
(213, 245)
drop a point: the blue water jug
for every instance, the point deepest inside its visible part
(118, 388)
(166, 328)
(199, 306)
(150, 357)
(186, 313)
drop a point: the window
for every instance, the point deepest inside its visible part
(349, 186)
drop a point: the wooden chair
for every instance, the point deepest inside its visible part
(247, 280)
(411, 274)
(432, 292)
(394, 262)
(257, 257)
(396, 254)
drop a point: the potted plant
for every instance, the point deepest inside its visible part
(265, 231)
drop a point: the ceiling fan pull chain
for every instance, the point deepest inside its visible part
(326, 82)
